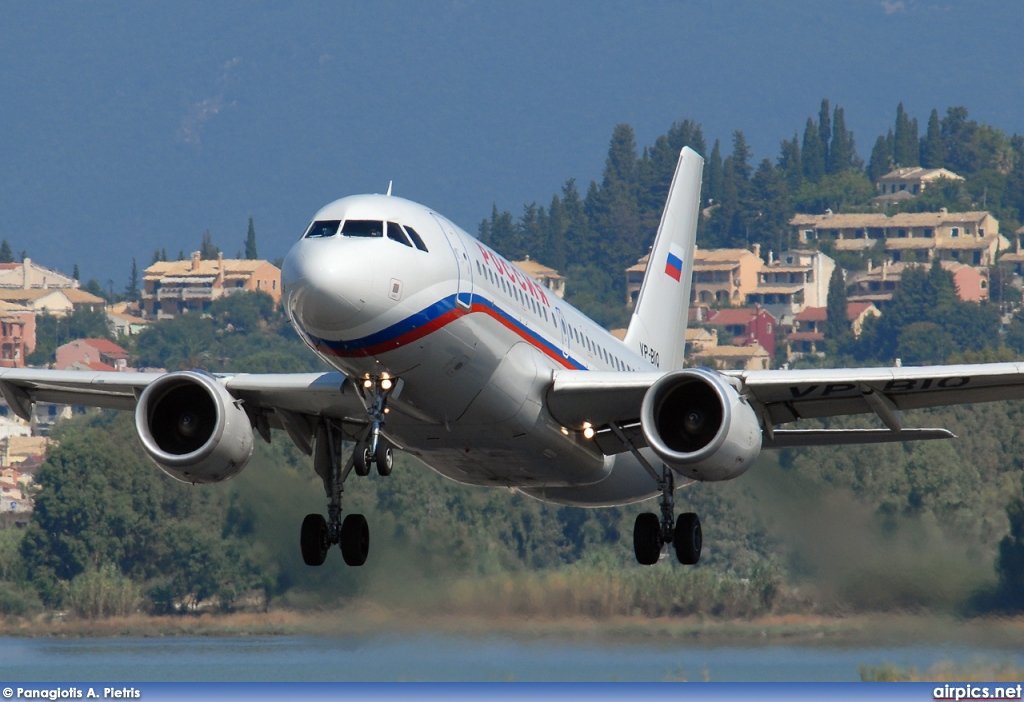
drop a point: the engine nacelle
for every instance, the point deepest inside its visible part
(192, 428)
(699, 425)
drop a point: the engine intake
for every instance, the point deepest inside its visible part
(699, 425)
(192, 428)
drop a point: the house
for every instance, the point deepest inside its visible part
(735, 357)
(967, 237)
(797, 279)
(15, 450)
(808, 335)
(725, 276)
(28, 275)
(171, 288)
(746, 326)
(17, 334)
(55, 301)
(913, 180)
(92, 354)
(542, 275)
(699, 340)
(878, 283)
(124, 322)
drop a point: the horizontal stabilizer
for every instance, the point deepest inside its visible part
(792, 438)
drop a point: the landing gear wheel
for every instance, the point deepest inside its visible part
(647, 538)
(363, 459)
(688, 538)
(355, 539)
(314, 539)
(384, 458)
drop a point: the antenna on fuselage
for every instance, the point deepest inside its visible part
(390, 183)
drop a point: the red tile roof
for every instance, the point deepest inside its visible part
(732, 315)
(812, 314)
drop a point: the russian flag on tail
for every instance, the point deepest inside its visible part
(674, 264)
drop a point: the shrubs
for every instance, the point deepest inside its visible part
(106, 592)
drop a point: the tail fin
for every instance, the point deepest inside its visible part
(658, 327)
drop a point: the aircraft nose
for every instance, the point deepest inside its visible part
(323, 292)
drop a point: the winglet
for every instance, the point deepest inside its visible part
(657, 329)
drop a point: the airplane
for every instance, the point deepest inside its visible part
(445, 350)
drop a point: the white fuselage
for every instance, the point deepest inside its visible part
(473, 339)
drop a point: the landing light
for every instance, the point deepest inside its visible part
(386, 383)
(367, 383)
(588, 432)
(565, 431)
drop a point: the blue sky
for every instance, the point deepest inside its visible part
(130, 126)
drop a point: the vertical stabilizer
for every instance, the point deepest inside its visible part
(657, 329)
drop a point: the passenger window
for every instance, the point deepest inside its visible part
(363, 228)
(395, 233)
(323, 229)
(416, 238)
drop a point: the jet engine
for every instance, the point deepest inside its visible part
(700, 426)
(192, 428)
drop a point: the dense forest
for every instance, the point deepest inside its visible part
(928, 526)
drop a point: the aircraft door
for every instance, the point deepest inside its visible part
(464, 266)
(564, 331)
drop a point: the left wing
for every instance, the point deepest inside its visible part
(281, 400)
(577, 398)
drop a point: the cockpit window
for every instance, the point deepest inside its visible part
(322, 229)
(363, 227)
(395, 233)
(415, 238)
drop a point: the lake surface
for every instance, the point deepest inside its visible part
(425, 657)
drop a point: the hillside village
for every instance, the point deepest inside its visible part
(754, 307)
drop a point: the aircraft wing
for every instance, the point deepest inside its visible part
(279, 400)
(780, 396)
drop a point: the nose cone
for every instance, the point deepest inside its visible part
(325, 289)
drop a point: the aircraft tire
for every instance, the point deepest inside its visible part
(313, 539)
(355, 539)
(647, 538)
(385, 458)
(688, 538)
(363, 459)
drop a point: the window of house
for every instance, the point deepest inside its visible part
(954, 232)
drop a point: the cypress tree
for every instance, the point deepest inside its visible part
(812, 155)
(837, 326)
(841, 152)
(132, 289)
(933, 151)
(713, 175)
(6, 255)
(789, 162)
(824, 133)
(906, 149)
(250, 243)
(881, 161)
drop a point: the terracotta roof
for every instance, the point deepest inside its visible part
(237, 266)
(533, 268)
(732, 315)
(812, 314)
(900, 219)
(805, 336)
(708, 255)
(856, 309)
(776, 289)
(107, 347)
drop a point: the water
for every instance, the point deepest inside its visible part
(425, 657)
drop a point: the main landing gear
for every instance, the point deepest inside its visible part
(371, 449)
(650, 533)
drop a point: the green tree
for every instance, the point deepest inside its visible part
(1010, 563)
(881, 161)
(207, 251)
(842, 151)
(131, 291)
(933, 151)
(825, 134)
(6, 255)
(906, 148)
(837, 326)
(812, 154)
(250, 242)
